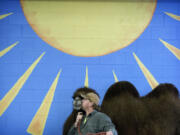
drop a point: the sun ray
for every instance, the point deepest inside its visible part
(151, 80)
(3, 52)
(86, 82)
(115, 77)
(9, 97)
(171, 48)
(5, 15)
(173, 16)
(37, 125)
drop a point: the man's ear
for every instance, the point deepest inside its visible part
(92, 104)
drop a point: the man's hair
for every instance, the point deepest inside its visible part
(84, 90)
(91, 97)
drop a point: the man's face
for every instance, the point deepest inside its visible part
(86, 104)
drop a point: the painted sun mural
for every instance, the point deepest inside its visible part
(97, 28)
(48, 49)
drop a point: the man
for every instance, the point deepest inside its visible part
(93, 122)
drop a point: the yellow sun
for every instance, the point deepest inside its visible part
(88, 28)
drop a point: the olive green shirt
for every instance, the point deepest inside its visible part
(95, 122)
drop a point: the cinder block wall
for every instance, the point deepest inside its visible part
(160, 61)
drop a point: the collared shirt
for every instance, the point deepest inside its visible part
(95, 122)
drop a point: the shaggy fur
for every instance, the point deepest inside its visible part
(163, 105)
(157, 113)
(121, 103)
